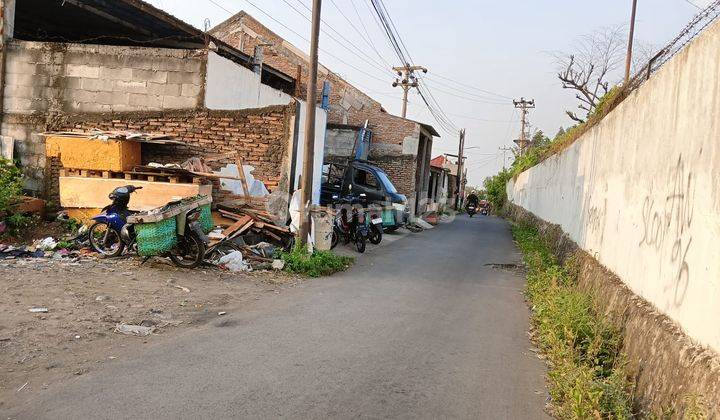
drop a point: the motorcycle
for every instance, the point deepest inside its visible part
(111, 233)
(349, 228)
(375, 225)
(471, 209)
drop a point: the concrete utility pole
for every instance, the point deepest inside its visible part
(461, 149)
(628, 57)
(523, 142)
(408, 81)
(309, 152)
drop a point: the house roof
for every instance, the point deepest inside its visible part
(438, 162)
(117, 22)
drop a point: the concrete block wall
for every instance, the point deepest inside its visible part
(46, 80)
(639, 191)
(52, 77)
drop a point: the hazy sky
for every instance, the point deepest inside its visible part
(501, 47)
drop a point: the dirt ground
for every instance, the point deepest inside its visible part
(87, 298)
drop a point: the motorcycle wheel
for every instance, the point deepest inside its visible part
(360, 243)
(334, 239)
(189, 252)
(375, 235)
(105, 240)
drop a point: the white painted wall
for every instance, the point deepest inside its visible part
(232, 86)
(641, 190)
(319, 146)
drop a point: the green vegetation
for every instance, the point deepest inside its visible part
(10, 190)
(319, 263)
(587, 376)
(495, 188)
(545, 147)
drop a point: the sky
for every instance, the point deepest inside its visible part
(479, 54)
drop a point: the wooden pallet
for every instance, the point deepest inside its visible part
(134, 176)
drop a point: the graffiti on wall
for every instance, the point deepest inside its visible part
(666, 226)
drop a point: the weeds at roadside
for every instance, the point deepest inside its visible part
(587, 377)
(319, 263)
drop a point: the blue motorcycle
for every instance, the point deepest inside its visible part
(111, 233)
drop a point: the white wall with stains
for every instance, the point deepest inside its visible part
(641, 190)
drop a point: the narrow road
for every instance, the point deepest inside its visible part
(420, 329)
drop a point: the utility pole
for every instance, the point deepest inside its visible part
(309, 152)
(504, 150)
(407, 73)
(461, 149)
(628, 57)
(523, 105)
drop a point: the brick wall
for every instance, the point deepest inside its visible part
(260, 136)
(401, 170)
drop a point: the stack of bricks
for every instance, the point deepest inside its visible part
(259, 136)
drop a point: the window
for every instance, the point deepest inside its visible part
(366, 179)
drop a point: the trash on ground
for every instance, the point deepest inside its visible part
(278, 264)
(47, 244)
(138, 330)
(39, 310)
(234, 262)
(221, 313)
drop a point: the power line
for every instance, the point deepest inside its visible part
(376, 64)
(472, 87)
(367, 40)
(299, 36)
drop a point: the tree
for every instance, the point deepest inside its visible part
(593, 68)
(539, 139)
(561, 132)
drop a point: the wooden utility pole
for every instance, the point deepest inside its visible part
(309, 152)
(407, 73)
(523, 105)
(461, 149)
(628, 57)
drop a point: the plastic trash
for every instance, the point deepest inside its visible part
(234, 262)
(47, 244)
(134, 329)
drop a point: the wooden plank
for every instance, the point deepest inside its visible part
(237, 225)
(93, 192)
(277, 228)
(272, 235)
(243, 179)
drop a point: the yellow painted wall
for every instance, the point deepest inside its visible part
(94, 154)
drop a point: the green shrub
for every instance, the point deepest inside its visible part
(319, 263)
(495, 189)
(586, 375)
(10, 184)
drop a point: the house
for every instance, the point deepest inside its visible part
(126, 65)
(358, 126)
(443, 183)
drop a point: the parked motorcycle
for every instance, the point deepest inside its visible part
(111, 233)
(349, 227)
(375, 225)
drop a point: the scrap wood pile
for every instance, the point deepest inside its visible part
(249, 220)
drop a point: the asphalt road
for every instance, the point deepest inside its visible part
(420, 329)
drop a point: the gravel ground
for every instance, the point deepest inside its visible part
(87, 298)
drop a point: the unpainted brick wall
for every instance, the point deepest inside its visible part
(260, 136)
(401, 170)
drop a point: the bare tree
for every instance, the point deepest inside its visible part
(592, 69)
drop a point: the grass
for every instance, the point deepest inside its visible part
(587, 377)
(319, 263)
